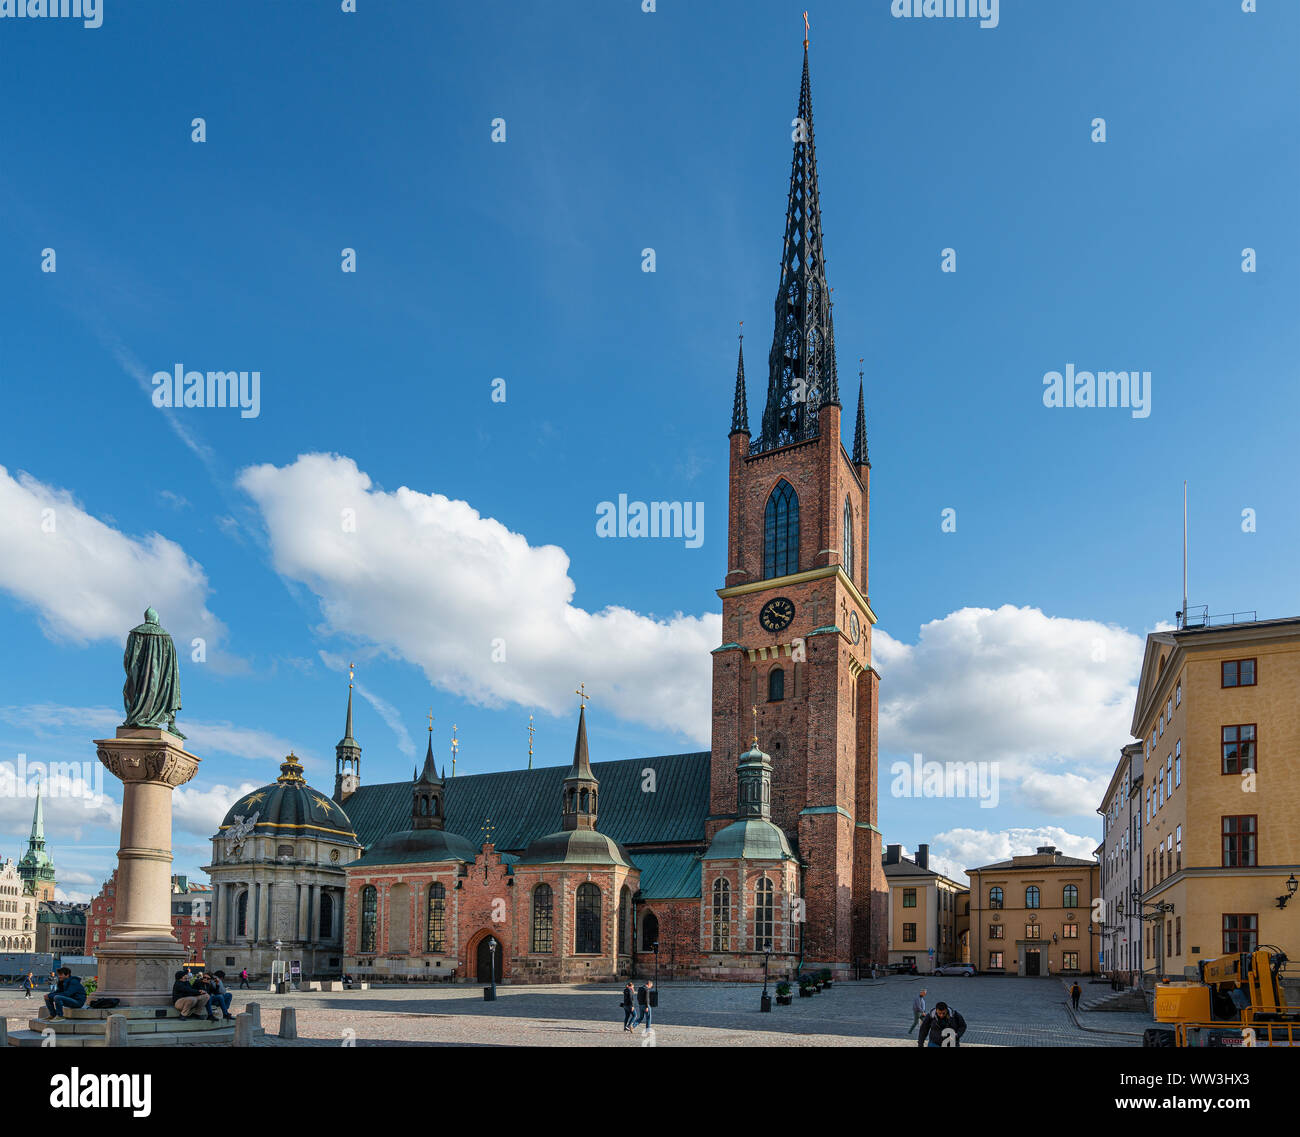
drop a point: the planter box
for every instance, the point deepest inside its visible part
(784, 1000)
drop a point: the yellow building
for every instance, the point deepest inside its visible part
(925, 928)
(1032, 915)
(1218, 713)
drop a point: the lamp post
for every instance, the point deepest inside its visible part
(765, 1002)
(490, 991)
(1291, 885)
(654, 991)
(279, 967)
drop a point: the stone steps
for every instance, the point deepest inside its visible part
(145, 1026)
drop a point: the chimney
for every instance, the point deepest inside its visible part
(893, 854)
(1047, 850)
(923, 856)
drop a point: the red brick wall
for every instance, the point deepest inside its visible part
(822, 736)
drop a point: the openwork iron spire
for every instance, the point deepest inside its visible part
(740, 407)
(860, 431)
(801, 367)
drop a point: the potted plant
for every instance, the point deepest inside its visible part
(825, 976)
(783, 998)
(806, 988)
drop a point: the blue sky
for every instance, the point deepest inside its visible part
(522, 260)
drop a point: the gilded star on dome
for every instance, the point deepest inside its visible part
(323, 803)
(253, 799)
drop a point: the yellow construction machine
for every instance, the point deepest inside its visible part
(1238, 1000)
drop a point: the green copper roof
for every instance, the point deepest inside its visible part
(525, 804)
(752, 840)
(575, 847)
(419, 846)
(668, 876)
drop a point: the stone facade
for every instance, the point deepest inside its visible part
(17, 911)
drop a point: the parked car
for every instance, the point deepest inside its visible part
(955, 969)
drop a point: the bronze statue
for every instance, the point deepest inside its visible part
(152, 693)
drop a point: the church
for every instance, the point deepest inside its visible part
(763, 850)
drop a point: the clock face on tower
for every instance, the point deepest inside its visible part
(776, 614)
(855, 629)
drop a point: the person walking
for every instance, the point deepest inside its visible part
(1075, 992)
(629, 1005)
(918, 1010)
(28, 984)
(938, 1023)
(643, 1002)
(243, 980)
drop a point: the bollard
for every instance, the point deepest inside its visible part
(115, 1031)
(4, 1031)
(243, 1030)
(288, 1023)
(254, 1011)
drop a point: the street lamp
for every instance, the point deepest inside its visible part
(654, 991)
(1291, 885)
(765, 1002)
(279, 968)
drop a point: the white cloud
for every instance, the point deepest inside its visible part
(434, 582)
(962, 849)
(202, 738)
(86, 580)
(1047, 700)
(201, 809)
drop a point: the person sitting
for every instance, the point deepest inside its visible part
(68, 992)
(220, 995)
(188, 1000)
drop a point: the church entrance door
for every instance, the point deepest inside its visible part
(483, 967)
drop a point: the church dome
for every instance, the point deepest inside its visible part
(418, 847)
(753, 839)
(289, 807)
(575, 847)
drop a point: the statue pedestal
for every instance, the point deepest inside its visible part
(138, 961)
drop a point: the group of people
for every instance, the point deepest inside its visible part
(204, 992)
(67, 991)
(636, 1005)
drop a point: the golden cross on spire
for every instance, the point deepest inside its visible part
(754, 708)
(531, 731)
(487, 829)
(805, 29)
(583, 697)
(861, 360)
(430, 720)
(742, 330)
(351, 669)
(455, 746)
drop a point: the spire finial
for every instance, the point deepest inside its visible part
(583, 697)
(805, 31)
(532, 730)
(455, 747)
(754, 708)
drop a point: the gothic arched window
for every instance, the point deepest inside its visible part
(543, 917)
(763, 913)
(624, 919)
(848, 538)
(781, 532)
(649, 932)
(721, 914)
(369, 917)
(436, 939)
(587, 930)
(775, 685)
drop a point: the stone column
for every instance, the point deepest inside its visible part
(313, 915)
(138, 960)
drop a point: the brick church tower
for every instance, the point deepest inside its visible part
(796, 619)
